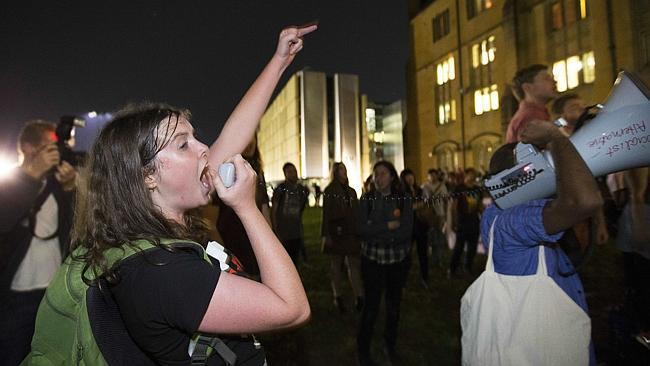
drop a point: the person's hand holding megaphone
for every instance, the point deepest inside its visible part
(540, 133)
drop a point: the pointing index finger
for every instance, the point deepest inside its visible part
(307, 28)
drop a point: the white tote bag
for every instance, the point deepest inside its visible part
(522, 320)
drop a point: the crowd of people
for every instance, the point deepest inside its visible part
(87, 286)
(544, 239)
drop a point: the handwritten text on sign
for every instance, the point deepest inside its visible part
(634, 135)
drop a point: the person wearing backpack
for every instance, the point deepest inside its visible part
(138, 287)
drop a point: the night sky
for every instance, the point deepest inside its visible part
(60, 58)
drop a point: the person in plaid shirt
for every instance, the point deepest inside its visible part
(385, 226)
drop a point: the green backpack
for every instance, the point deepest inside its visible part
(64, 333)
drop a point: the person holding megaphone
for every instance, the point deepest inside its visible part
(141, 287)
(529, 306)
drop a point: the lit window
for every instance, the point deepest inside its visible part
(559, 73)
(478, 103)
(441, 114)
(568, 72)
(484, 54)
(446, 112)
(452, 68)
(486, 95)
(371, 122)
(486, 99)
(494, 97)
(491, 48)
(453, 109)
(573, 65)
(445, 71)
(583, 9)
(589, 67)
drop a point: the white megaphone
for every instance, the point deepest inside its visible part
(618, 138)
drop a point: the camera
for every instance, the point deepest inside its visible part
(64, 135)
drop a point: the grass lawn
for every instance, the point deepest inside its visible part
(429, 332)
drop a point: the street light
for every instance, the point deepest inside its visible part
(7, 167)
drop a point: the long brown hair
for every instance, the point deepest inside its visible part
(114, 206)
(334, 174)
(395, 185)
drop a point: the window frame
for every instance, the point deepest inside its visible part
(440, 25)
(442, 91)
(482, 76)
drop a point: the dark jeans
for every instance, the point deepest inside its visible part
(469, 237)
(438, 242)
(422, 245)
(17, 318)
(377, 279)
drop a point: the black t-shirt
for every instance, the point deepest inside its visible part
(163, 296)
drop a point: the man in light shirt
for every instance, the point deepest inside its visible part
(35, 221)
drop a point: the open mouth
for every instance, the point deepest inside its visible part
(205, 178)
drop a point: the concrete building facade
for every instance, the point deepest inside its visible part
(465, 53)
(312, 122)
(383, 134)
(318, 119)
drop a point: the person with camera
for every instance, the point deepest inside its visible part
(35, 219)
(529, 306)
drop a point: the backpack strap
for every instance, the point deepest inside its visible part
(111, 336)
(114, 256)
(204, 348)
(47, 190)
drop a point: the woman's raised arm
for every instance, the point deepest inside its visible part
(242, 123)
(240, 305)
